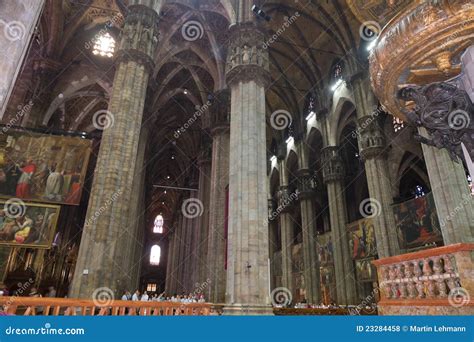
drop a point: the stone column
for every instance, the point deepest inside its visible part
(248, 269)
(287, 229)
(372, 146)
(202, 231)
(108, 216)
(175, 268)
(451, 194)
(18, 20)
(220, 114)
(169, 263)
(306, 186)
(333, 177)
(191, 219)
(181, 256)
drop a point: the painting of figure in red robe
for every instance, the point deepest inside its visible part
(40, 167)
(417, 223)
(27, 224)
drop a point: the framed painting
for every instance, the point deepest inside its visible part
(27, 224)
(43, 168)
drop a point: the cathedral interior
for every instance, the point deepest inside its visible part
(265, 155)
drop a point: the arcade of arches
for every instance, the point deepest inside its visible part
(262, 153)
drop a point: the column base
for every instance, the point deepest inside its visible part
(247, 310)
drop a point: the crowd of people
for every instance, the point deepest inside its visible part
(144, 297)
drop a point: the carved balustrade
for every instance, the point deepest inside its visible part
(434, 277)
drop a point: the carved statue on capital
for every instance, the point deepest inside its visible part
(248, 58)
(307, 183)
(372, 140)
(139, 36)
(219, 110)
(333, 165)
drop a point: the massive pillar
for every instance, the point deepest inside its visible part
(306, 194)
(191, 224)
(220, 115)
(451, 194)
(108, 214)
(333, 176)
(373, 146)
(248, 265)
(18, 20)
(287, 229)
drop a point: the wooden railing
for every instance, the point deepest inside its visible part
(433, 277)
(30, 306)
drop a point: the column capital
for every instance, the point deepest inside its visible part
(333, 165)
(247, 58)
(306, 183)
(219, 111)
(285, 198)
(139, 36)
(372, 142)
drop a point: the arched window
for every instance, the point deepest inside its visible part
(419, 191)
(158, 224)
(337, 71)
(104, 45)
(155, 254)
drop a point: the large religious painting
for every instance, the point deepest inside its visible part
(45, 168)
(325, 249)
(362, 238)
(27, 224)
(417, 222)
